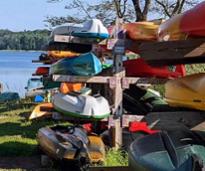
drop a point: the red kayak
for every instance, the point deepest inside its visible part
(42, 71)
(139, 68)
(188, 24)
(193, 21)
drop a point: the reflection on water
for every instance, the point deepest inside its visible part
(16, 68)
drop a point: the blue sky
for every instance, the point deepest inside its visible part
(19, 15)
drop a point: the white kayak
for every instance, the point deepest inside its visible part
(90, 29)
(81, 106)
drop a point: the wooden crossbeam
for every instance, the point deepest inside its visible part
(174, 52)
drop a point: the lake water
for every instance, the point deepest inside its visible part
(16, 68)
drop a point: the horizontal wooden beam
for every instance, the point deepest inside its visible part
(173, 52)
(81, 79)
(126, 81)
(42, 61)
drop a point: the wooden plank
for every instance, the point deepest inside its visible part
(42, 61)
(81, 79)
(116, 168)
(174, 52)
(72, 39)
(126, 81)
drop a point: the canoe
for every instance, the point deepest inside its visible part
(81, 106)
(139, 68)
(141, 30)
(42, 71)
(187, 92)
(168, 151)
(188, 24)
(62, 54)
(85, 65)
(66, 88)
(59, 143)
(37, 113)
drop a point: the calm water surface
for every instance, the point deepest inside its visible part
(16, 68)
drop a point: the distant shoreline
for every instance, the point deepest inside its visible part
(21, 50)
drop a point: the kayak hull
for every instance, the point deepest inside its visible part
(188, 24)
(61, 149)
(85, 65)
(165, 151)
(81, 106)
(186, 92)
(37, 113)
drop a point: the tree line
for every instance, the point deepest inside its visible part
(24, 40)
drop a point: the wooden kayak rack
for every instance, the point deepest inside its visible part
(173, 52)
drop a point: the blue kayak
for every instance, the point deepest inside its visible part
(84, 65)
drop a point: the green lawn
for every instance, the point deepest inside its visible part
(18, 135)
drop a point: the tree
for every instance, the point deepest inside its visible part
(169, 8)
(141, 9)
(105, 10)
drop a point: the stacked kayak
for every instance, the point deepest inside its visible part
(139, 101)
(90, 29)
(139, 68)
(84, 65)
(62, 54)
(189, 24)
(34, 87)
(38, 113)
(168, 151)
(141, 30)
(81, 106)
(9, 96)
(71, 143)
(66, 88)
(186, 92)
(42, 71)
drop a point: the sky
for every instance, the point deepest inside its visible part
(19, 15)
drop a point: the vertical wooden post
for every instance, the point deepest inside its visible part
(119, 73)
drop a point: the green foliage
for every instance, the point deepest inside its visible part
(116, 158)
(26, 40)
(195, 68)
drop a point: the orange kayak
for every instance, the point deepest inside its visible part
(62, 54)
(141, 30)
(66, 88)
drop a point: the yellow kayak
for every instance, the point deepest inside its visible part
(37, 113)
(187, 92)
(56, 143)
(62, 54)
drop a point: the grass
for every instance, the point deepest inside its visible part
(18, 135)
